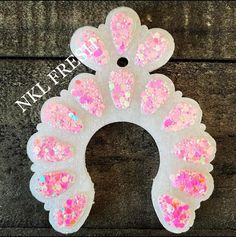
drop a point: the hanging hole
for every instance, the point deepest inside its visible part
(122, 62)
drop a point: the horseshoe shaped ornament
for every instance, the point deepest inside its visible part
(115, 94)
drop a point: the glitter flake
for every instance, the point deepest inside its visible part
(120, 85)
(93, 47)
(121, 29)
(175, 212)
(197, 150)
(60, 116)
(87, 94)
(51, 150)
(152, 49)
(155, 94)
(54, 183)
(183, 115)
(191, 182)
(72, 210)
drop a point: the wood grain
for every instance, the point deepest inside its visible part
(213, 85)
(44, 29)
(110, 232)
(122, 173)
(122, 166)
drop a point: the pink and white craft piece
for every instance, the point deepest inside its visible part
(121, 94)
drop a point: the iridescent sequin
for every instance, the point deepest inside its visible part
(93, 47)
(88, 95)
(53, 184)
(183, 115)
(175, 212)
(121, 84)
(153, 96)
(152, 49)
(50, 149)
(191, 182)
(71, 211)
(121, 29)
(197, 150)
(60, 116)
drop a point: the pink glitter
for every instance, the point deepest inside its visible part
(152, 49)
(72, 210)
(194, 150)
(120, 85)
(183, 115)
(60, 116)
(191, 182)
(51, 150)
(91, 45)
(54, 183)
(153, 96)
(88, 95)
(175, 212)
(121, 29)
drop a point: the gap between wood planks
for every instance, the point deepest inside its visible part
(171, 60)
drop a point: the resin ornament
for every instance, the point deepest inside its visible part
(125, 93)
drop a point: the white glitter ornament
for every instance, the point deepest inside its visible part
(121, 94)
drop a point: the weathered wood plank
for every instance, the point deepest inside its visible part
(121, 157)
(202, 30)
(122, 173)
(111, 232)
(213, 85)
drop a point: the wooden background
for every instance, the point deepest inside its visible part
(121, 158)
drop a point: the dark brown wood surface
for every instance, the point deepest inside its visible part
(203, 30)
(122, 158)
